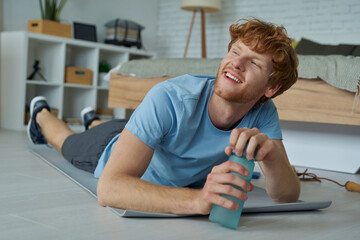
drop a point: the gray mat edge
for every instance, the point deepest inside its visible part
(64, 173)
(288, 207)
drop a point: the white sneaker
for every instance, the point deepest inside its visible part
(88, 115)
(33, 129)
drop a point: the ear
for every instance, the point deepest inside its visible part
(271, 90)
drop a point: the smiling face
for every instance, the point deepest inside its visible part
(243, 75)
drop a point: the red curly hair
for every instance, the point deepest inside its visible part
(263, 37)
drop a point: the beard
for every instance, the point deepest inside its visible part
(243, 98)
(239, 93)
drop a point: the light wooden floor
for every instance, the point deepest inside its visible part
(38, 202)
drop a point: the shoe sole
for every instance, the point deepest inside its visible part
(32, 104)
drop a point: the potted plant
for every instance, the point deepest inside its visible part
(104, 68)
(50, 23)
(52, 10)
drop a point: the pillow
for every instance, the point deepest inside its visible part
(308, 47)
(356, 51)
(342, 49)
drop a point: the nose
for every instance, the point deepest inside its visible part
(239, 62)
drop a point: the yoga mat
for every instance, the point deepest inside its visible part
(258, 201)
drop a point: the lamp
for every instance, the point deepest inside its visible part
(202, 6)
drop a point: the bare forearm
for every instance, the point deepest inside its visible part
(282, 184)
(133, 193)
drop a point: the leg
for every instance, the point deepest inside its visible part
(83, 150)
(94, 123)
(54, 130)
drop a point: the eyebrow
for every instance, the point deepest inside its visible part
(253, 56)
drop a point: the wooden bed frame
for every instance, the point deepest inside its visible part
(308, 100)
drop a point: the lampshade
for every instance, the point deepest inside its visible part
(206, 5)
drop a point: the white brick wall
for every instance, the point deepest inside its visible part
(300, 17)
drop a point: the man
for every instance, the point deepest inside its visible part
(170, 155)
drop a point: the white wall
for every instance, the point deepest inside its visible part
(1, 21)
(299, 17)
(16, 13)
(1, 15)
(329, 146)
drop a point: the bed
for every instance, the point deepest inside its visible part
(326, 92)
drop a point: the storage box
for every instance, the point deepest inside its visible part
(78, 75)
(50, 27)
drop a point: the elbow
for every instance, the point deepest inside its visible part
(101, 201)
(286, 198)
(290, 195)
(108, 193)
(101, 193)
(295, 193)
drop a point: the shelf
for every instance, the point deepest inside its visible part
(113, 57)
(43, 52)
(103, 88)
(76, 99)
(71, 85)
(102, 100)
(22, 50)
(38, 82)
(82, 57)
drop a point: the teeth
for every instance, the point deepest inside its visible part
(232, 77)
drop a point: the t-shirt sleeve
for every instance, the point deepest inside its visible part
(154, 117)
(269, 121)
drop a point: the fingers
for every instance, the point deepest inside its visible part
(228, 151)
(221, 200)
(239, 137)
(224, 179)
(230, 166)
(221, 183)
(229, 190)
(214, 194)
(266, 149)
(255, 142)
(252, 139)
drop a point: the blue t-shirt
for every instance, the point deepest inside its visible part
(173, 120)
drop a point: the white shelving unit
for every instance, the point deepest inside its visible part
(19, 51)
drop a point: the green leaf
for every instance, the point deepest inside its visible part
(104, 66)
(47, 10)
(41, 9)
(51, 10)
(59, 9)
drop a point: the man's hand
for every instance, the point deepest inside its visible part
(218, 182)
(282, 184)
(265, 148)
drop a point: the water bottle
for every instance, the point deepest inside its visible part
(230, 218)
